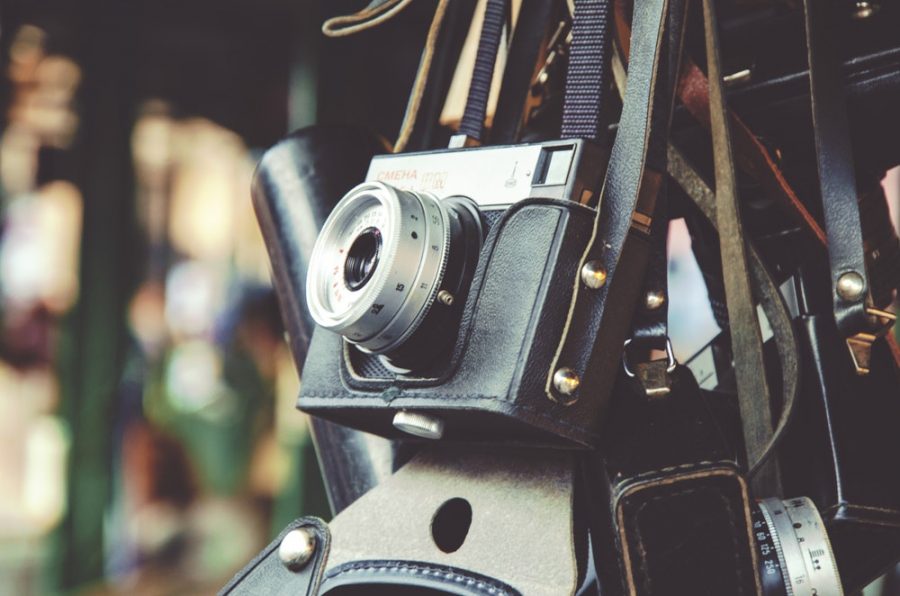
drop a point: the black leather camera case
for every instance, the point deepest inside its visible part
(494, 385)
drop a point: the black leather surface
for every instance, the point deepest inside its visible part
(494, 388)
(410, 578)
(687, 533)
(266, 574)
(622, 241)
(843, 450)
(679, 507)
(837, 177)
(296, 184)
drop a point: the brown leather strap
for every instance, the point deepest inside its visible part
(767, 293)
(754, 397)
(770, 299)
(751, 156)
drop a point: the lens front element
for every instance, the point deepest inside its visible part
(362, 258)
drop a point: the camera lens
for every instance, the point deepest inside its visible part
(390, 271)
(362, 258)
(795, 555)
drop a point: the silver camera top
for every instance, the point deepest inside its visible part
(493, 177)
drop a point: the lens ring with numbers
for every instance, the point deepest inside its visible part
(376, 264)
(794, 551)
(391, 265)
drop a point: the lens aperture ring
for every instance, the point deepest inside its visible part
(380, 312)
(434, 248)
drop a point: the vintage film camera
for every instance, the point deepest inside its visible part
(439, 286)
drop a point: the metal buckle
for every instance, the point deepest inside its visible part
(654, 375)
(860, 345)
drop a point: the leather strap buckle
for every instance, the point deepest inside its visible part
(654, 375)
(860, 344)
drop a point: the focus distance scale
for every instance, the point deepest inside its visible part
(795, 554)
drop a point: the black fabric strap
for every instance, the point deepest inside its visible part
(530, 31)
(472, 124)
(587, 76)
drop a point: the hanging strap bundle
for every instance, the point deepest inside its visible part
(747, 280)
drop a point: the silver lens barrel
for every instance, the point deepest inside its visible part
(377, 265)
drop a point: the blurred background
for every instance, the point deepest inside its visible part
(146, 392)
(151, 445)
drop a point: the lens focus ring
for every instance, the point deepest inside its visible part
(377, 265)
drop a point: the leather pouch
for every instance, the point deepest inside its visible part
(679, 507)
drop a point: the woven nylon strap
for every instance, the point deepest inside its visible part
(586, 78)
(472, 124)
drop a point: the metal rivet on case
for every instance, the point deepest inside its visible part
(593, 275)
(654, 299)
(445, 298)
(297, 548)
(864, 9)
(420, 425)
(566, 381)
(850, 286)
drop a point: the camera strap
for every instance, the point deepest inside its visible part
(857, 320)
(617, 253)
(471, 127)
(766, 290)
(754, 159)
(754, 395)
(649, 334)
(528, 38)
(587, 77)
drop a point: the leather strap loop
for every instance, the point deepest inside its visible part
(837, 178)
(856, 319)
(650, 325)
(620, 242)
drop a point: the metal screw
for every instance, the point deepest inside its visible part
(850, 286)
(297, 548)
(420, 425)
(566, 381)
(864, 9)
(445, 298)
(654, 299)
(593, 275)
